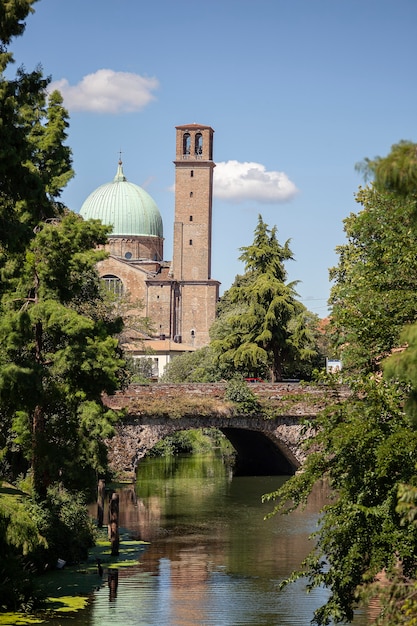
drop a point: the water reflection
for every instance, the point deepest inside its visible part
(212, 559)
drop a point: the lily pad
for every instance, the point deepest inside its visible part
(67, 589)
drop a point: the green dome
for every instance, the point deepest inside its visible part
(125, 206)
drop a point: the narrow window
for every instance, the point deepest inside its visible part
(191, 218)
(191, 242)
(199, 144)
(192, 173)
(186, 145)
(191, 194)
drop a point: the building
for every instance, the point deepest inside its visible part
(333, 366)
(178, 296)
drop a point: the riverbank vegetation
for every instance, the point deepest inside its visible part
(203, 440)
(59, 352)
(366, 546)
(34, 535)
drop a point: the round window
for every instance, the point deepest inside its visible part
(128, 255)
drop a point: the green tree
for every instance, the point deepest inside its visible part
(34, 162)
(397, 172)
(58, 354)
(56, 360)
(373, 295)
(200, 366)
(364, 448)
(375, 281)
(401, 366)
(19, 537)
(12, 16)
(259, 331)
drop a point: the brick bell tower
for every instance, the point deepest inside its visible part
(196, 292)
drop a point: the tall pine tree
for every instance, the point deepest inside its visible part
(265, 328)
(58, 353)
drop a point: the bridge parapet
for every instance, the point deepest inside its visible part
(184, 399)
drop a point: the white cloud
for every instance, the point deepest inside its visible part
(235, 181)
(107, 91)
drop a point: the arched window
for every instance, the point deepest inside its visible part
(113, 284)
(186, 147)
(199, 144)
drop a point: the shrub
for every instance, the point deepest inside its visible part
(238, 392)
(64, 522)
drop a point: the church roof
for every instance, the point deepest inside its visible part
(125, 206)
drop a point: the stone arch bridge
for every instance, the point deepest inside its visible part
(267, 441)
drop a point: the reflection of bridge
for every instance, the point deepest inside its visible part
(267, 442)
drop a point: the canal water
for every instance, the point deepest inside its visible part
(212, 558)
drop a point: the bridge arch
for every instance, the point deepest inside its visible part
(260, 453)
(263, 447)
(266, 443)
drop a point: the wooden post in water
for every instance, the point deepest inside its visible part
(114, 524)
(100, 502)
(113, 578)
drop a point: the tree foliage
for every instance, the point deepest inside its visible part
(397, 172)
(363, 447)
(200, 366)
(33, 536)
(262, 327)
(12, 16)
(366, 446)
(58, 353)
(56, 361)
(373, 295)
(19, 536)
(35, 163)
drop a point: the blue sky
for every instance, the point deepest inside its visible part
(297, 91)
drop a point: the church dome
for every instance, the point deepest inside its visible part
(125, 206)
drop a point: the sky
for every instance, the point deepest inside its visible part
(297, 92)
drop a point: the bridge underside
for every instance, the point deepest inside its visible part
(268, 448)
(258, 454)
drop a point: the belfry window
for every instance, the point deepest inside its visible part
(199, 144)
(186, 146)
(113, 284)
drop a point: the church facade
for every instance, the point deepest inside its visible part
(179, 296)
